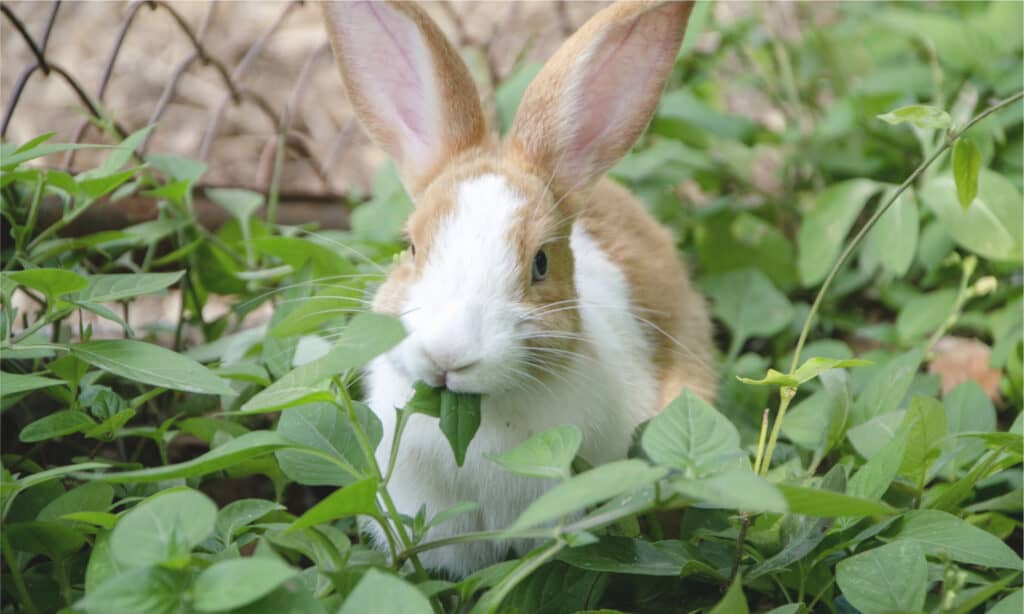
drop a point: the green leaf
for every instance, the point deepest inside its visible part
(829, 504)
(163, 529)
(885, 390)
(331, 302)
(358, 498)
(63, 422)
(327, 429)
(235, 451)
(54, 540)
(824, 229)
(89, 497)
(945, 535)
(177, 167)
(922, 116)
(153, 590)
(460, 419)
(636, 557)
(925, 313)
(871, 437)
(691, 436)
(16, 383)
(241, 204)
(734, 601)
(966, 164)
(811, 369)
(236, 582)
(547, 454)
(748, 303)
(588, 488)
(38, 150)
(992, 226)
(381, 592)
(121, 154)
(106, 288)
(893, 577)
(151, 364)
(925, 424)
(734, 489)
(296, 252)
(874, 477)
(893, 240)
(365, 337)
(235, 516)
(425, 400)
(53, 283)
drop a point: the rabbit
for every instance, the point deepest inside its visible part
(529, 278)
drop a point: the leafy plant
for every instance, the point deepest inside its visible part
(218, 464)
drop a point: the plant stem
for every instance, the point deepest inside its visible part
(963, 294)
(371, 459)
(759, 456)
(786, 395)
(19, 582)
(855, 242)
(744, 525)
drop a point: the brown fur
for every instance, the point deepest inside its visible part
(558, 195)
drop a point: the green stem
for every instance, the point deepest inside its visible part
(786, 395)
(855, 242)
(962, 296)
(30, 221)
(41, 322)
(389, 504)
(64, 581)
(19, 582)
(393, 456)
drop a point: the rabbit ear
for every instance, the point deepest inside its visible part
(596, 95)
(409, 87)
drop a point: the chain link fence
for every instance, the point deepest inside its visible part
(249, 88)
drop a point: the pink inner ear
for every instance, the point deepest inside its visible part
(616, 84)
(391, 63)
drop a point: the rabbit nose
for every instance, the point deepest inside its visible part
(449, 363)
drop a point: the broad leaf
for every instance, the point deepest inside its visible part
(154, 590)
(636, 557)
(16, 383)
(893, 577)
(588, 488)
(162, 530)
(824, 229)
(691, 436)
(150, 364)
(327, 429)
(545, 455)
(63, 422)
(943, 534)
(235, 451)
(235, 516)
(106, 288)
(358, 498)
(919, 115)
(734, 489)
(236, 582)
(54, 283)
(366, 336)
(893, 240)
(381, 592)
(460, 419)
(748, 303)
(966, 164)
(992, 226)
(828, 504)
(734, 601)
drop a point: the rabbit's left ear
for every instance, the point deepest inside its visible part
(409, 87)
(595, 96)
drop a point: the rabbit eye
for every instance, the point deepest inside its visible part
(412, 249)
(540, 266)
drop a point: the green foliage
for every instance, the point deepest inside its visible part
(869, 213)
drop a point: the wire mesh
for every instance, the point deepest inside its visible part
(231, 84)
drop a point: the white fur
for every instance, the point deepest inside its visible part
(466, 301)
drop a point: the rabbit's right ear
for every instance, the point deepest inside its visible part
(409, 87)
